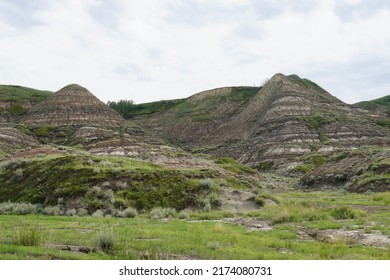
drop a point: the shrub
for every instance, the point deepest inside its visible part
(130, 212)
(109, 196)
(206, 183)
(52, 210)
(214, 200)
(24, 208)
(207, 206)
(183, 215)
(82, 212)
(120, 214)
(42, 131)
(160, 213)
(71, 212)
(28, 236)
(19, 172)
(98, 214)
(6, 207)
(344, 212)
(105, 241)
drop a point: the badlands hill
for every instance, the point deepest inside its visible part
(191, 152)
(270, 126)
(74, 152)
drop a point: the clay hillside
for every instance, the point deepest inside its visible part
(290, 124)
(74, 151)
(72, 105)
(273, 125)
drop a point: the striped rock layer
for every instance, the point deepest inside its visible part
(72, 105)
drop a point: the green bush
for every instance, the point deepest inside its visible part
(42, 131)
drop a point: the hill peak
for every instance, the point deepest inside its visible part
(73, 105)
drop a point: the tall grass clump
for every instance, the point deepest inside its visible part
(30, 236)
(344, 212)
(291, 211)
(105, 241)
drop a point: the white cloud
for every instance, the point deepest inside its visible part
(152, 50)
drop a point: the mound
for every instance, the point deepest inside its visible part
(72, 105)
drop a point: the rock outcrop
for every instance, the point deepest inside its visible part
(72, 105)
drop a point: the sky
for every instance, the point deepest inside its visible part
(164, 49)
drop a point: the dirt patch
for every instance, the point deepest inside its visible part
(372, 239)
(237, 200)
(250, 223)
(72, 248)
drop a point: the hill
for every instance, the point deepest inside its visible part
(380, 104)
(17, 100)
(262, 127)
(74, 152)
(72, 105)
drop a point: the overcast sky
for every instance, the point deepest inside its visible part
(163, 49)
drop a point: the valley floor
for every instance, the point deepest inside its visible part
(299, 225)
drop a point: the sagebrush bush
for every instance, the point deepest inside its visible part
(183, 214)
(24, 208)
(19, 172)
(6, 207)
(130, 212)
(81, 212)
(160, 213)
(52, 210)
(71, 212)
(206, 183)
(98, 214)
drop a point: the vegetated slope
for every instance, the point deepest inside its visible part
(15, 101)
(379, 105)
(263, 127)
(379, 109)
(361, 170)
(72, 180)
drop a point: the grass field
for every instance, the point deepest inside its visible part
(316, 225)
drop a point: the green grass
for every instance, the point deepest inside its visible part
(232, 165)
(22, 94)
(202, 235)
(383, 102)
